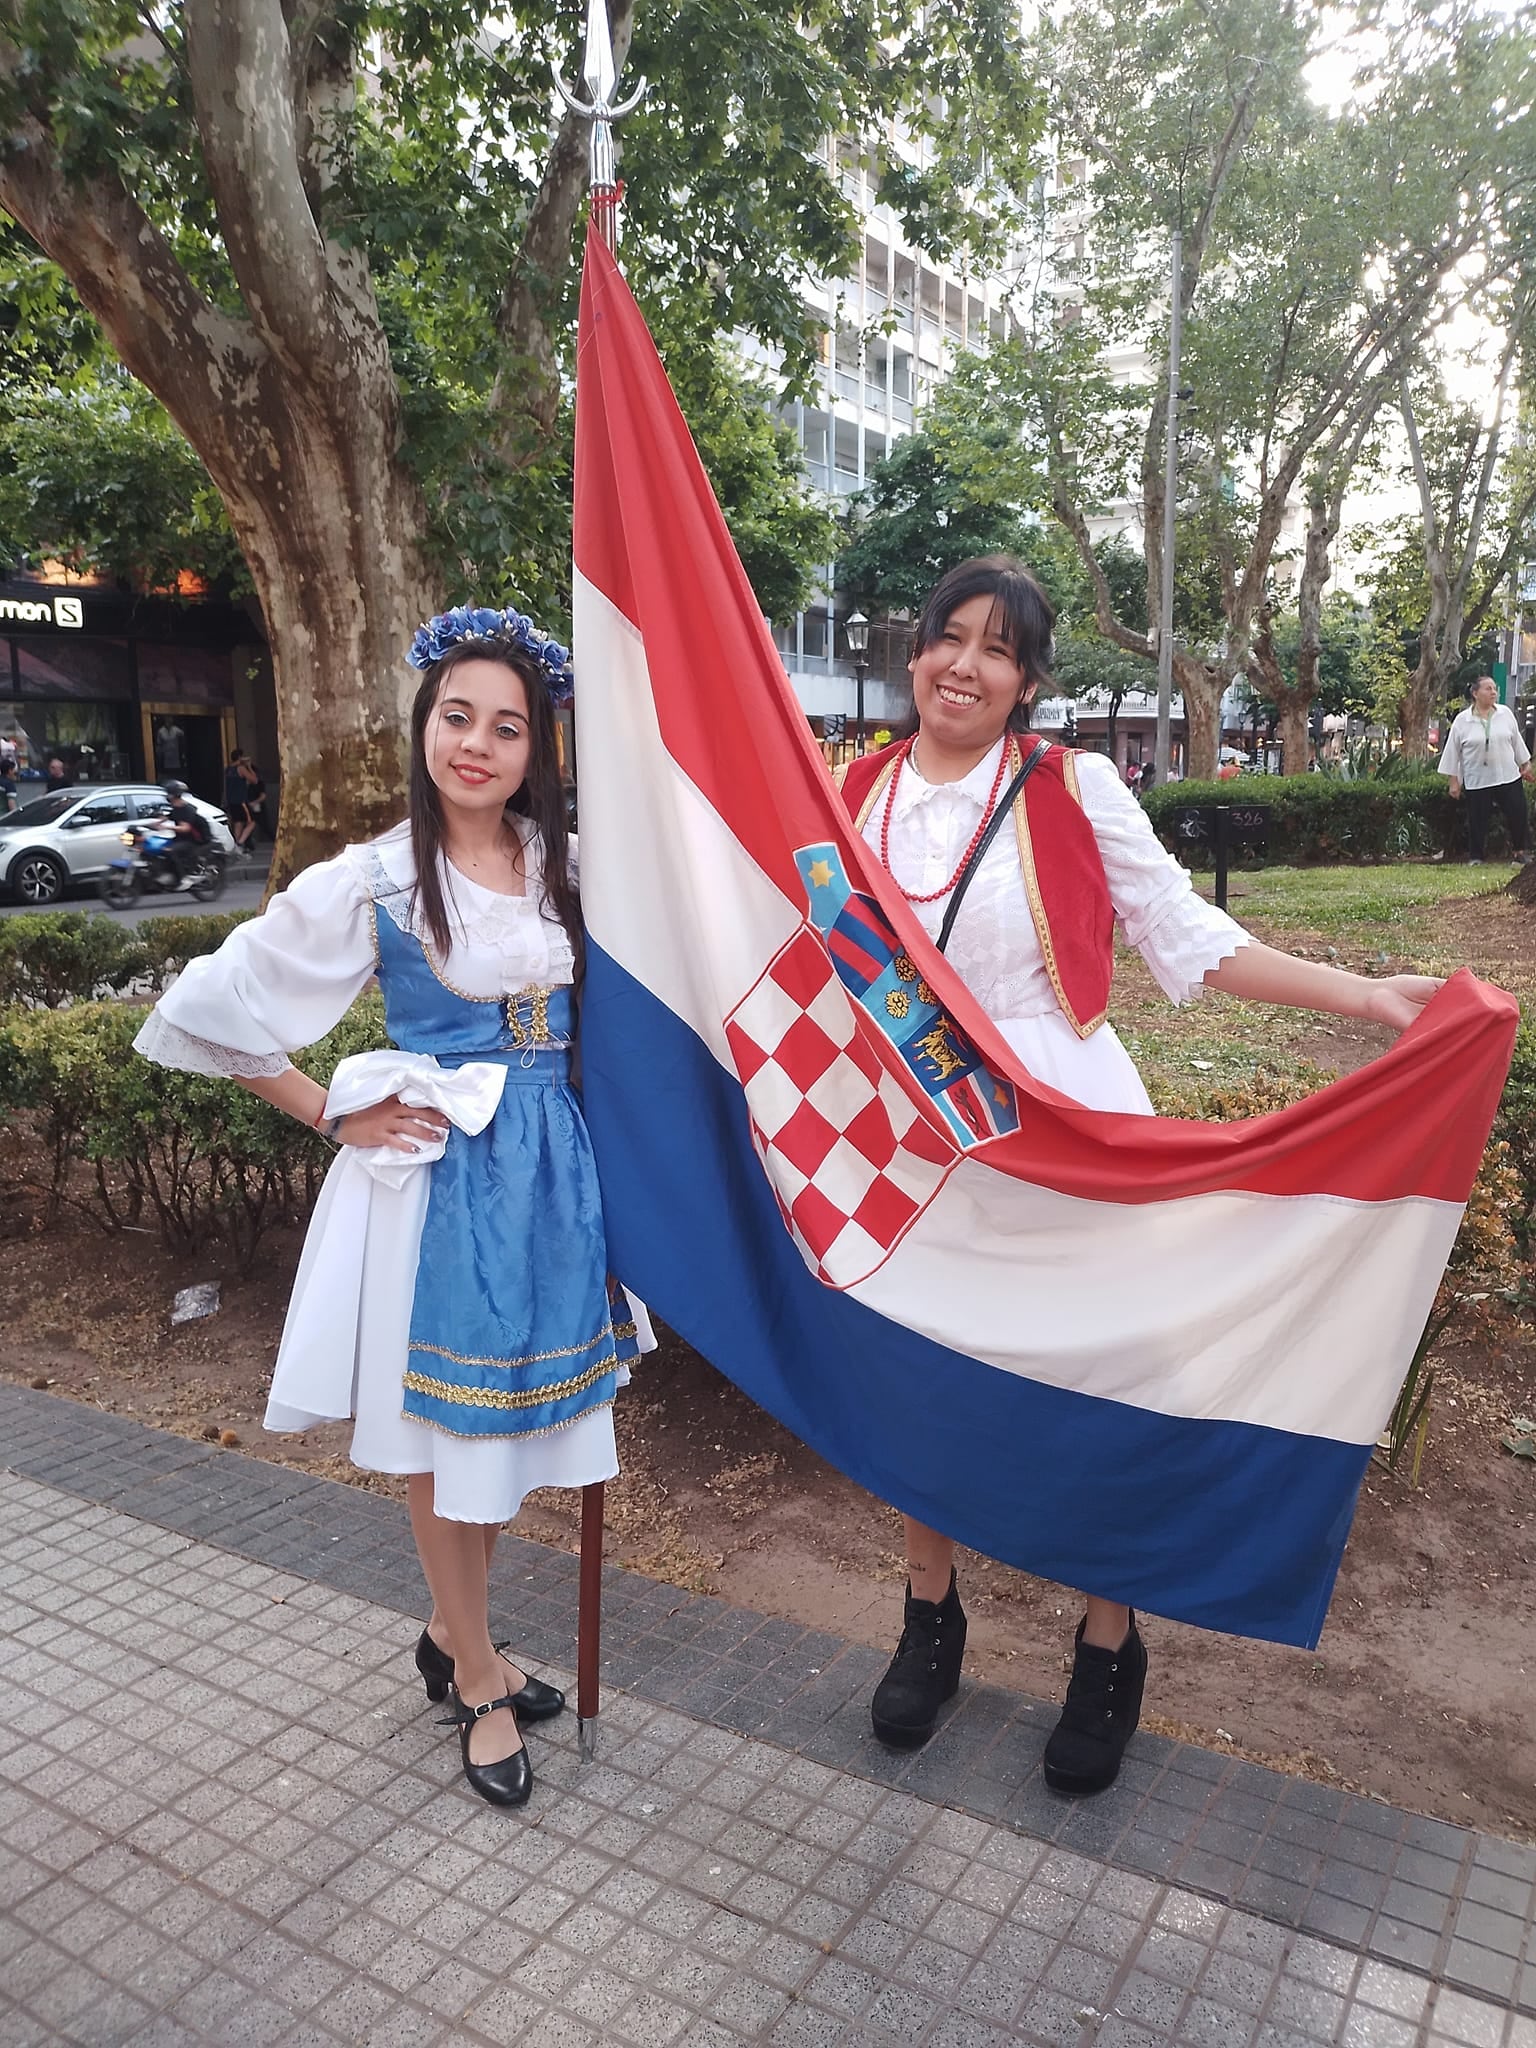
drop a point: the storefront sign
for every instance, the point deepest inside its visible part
(42, 611)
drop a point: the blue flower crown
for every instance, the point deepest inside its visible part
(507, 629)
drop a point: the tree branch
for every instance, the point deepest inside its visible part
(182, 348)
(1490, 463)
(1064, 505)
(240, 62)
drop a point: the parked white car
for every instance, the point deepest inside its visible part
(70, 835)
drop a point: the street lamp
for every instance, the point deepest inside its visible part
(856, 633)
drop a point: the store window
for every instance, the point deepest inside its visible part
(92, 741)
(73, 668)
(184, 675)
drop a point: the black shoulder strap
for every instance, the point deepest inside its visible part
(994, 826)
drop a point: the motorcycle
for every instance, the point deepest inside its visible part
(148, 869)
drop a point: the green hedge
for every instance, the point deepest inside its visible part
(127, 1141)
(71, 956)
(1319, 818)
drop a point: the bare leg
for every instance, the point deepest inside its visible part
(1108, 1623)
(454, 1556)
(930, 1559)
(437, 1628)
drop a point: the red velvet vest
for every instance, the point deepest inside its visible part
(1066, 891)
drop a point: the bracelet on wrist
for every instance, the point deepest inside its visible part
(328, 1126)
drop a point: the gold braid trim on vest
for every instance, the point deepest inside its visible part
(1036, 903)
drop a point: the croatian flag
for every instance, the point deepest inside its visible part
(1143, 1357)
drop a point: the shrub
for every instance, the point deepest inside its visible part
(206, 1158)
(53, 957)
(1515, 1124)
(59, 956)
(170, 942)
(1315, 818)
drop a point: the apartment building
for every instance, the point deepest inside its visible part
(893, 329)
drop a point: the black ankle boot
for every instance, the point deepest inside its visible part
(924, 1673)
(1102, 1708)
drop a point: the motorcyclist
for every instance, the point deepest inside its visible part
(190, 827)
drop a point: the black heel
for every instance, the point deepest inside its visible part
(436, 1668)
(535, 1701)
(505, 1783)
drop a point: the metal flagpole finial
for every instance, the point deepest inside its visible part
(600, 77)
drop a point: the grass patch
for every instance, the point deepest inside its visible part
(1360, 917)
(1215, 1043)
(1364, 904)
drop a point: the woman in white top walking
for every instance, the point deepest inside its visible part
(1486, 757)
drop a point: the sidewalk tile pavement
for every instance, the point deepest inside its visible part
(228, 1816)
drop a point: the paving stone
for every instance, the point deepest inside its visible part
(1365, 2027)
(280, 1858)
(1466, 2019)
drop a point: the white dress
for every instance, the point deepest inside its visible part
(994, 948)
(281, 982)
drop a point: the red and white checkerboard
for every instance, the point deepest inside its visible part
(850, 1157)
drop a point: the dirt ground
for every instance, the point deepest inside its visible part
(1420, 1692)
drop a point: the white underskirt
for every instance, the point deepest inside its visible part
(352, 1301)
(1096, 1071)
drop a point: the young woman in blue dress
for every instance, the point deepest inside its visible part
(453, 1295)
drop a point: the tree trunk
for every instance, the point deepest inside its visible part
(339, 619)
(1418, 701)
(295, 414)
(1201, 685)
(1292, 701)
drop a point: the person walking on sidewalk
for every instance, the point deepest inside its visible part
(1034, 944)
(1486, 757)
(453, 1295)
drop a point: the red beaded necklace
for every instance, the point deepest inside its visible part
(933, 896)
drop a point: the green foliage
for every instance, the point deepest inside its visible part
(420, 144)
(1323, 818)
(95, 475)
(124, 1139)
(59, 956)
(1344, 683)
(783, 535)
(170, 941)
(53, 957)
(1515, 1127)
(918, 517)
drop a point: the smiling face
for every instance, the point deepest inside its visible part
(968, 679)
(476, 740)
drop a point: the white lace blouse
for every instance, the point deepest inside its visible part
(993, 947)
(286, 978)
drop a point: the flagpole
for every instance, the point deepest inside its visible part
(600, 77)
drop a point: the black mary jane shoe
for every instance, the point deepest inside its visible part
(535, 1701)
(507, 1782)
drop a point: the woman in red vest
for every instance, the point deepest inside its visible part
(1032, 939)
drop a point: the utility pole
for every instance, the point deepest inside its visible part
(1164, 755)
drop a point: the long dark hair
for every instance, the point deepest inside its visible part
(541, 798)
(1025, 617)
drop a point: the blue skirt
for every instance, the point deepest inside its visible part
(517, 1327)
